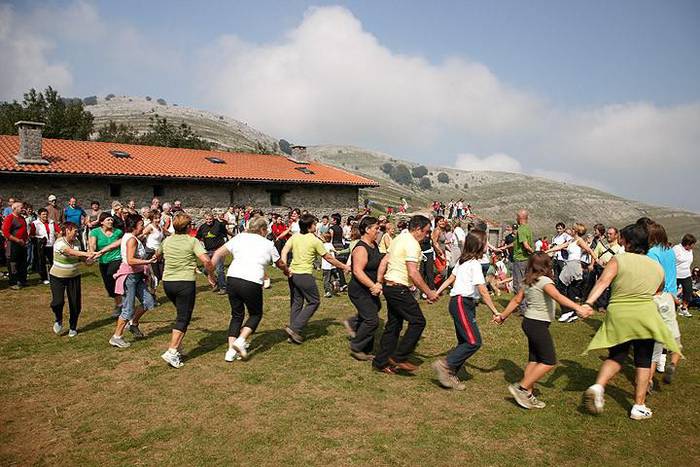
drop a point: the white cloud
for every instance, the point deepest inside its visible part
(496, 162)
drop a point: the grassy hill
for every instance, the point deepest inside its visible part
(493, 195)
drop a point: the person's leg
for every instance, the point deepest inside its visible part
(128, 304)
(12, 259)
(327, 289)
(613, 364)
(220, 276)
(341, 275)
(519, 268)
(643, 350)
(542, 357)
(392, 327)
(74, 292)
(182, 294)
(306, 285)
(253, 298)
(296, 300)
(237, 310)
(58, 289)
(22, 266)
(430, 270)
(367, 322)
(410, 311)
(463, 312)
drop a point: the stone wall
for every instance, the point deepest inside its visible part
(196, 196)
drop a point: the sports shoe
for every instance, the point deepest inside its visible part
(640, 412)
(134, 329)
(564, 318)
(119, 342)
(45, 282)
(683, 311)
(215, 289)
(521, 396)
(266, 283)
(594, 399)
(668, 374)
(361, 356)
(328, 295)
(344, 288)
(15, 287)
(293, 335)
(536, 403)
(456, 383)
(173, 359)
(57, 328)
(221, 292)
(72, 333)
(443, 373)
(573, 318)
(231, 354)
(239, 346)
(661, 365)
(348, 328)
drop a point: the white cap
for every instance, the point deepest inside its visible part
(52, 197)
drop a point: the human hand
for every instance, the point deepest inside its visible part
(584, 311)
(498, 319)
(211, 279)
(432, 296)
(376, 289)
(347, 268)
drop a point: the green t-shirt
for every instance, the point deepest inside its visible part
(180, 253)
(305, 249)
(524, 235)
(103, 241)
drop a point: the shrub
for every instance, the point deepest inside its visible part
(466, 186)
(425, 183)
(285, 147)
(419, 172)
(109, 97)
(91, 100)
(402, 175)
(443, 177)
(148, 98)
(162, 101)
(387, 168)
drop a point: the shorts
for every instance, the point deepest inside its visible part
(643, 351)
(540, 345)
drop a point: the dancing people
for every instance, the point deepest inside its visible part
(106, 239)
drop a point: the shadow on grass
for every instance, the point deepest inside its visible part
(98, 324)
(511, 371)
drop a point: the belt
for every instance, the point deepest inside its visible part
(394, 284)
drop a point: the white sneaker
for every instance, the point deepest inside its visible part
(231, 354)
(682, 311)
(640, 412)
(566, 316)
(239, 345)
(266, 283)
(57, 328)
(594, 399)
(172, 358)
(573, 318)
(46, 282)
(72, 333)
(118, 342)
(661, 366)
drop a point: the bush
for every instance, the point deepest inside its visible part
(401, 175)
(466, 186)
(387, 168)
(91, 100)
(419, 172)
(425, 183)
(456, 186)
(285, 147)
(162, 101)
(148, 98)
(109, 97)
(443, 177)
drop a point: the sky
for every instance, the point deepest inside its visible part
(599, 93)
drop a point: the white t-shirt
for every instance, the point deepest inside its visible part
(558, 240)
(684, 259)
(461, 234)
(468, 276)
(251, 253)
(325, 265)
(294, 228)
(140, 250)
(538, 245)
(575, 251)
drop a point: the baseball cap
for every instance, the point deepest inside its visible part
(52, 197)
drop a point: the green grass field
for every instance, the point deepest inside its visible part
(81, 402)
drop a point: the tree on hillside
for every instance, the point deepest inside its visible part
(425, 183)
(163, 133)
(117, 133)
(443, 177)
(285, 147)
(401, 175)
(64, 118)
(419, 172)
(387, 168)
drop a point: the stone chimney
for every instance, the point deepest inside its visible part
(30, 143)
(299, 154)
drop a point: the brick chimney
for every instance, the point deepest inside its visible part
(30, 143)
(299, 154)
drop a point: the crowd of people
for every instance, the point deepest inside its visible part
(634, 276)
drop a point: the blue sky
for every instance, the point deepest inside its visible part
(556, 89)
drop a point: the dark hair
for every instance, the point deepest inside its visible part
(657, 236)
(131, 221)
(336, 218)
(417, 222)
(539, 264)
(688, 239)
(600, 228)
(474, 246)
(95, 202)
(636, 239)
(560, 224)
(355, 232)
(103, 216)
(644, 222)
(69, 226)
(306, 221)
(42, 210)
(367, 222)
(438, 219)
(401, 225)
(324, 217)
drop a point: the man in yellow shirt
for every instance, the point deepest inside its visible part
(399, 270)
(604, 251)
(306, 248)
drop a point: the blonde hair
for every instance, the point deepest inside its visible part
(181, 222)
(257, 224)
(579, 228)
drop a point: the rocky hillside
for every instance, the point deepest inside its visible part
(494, 195)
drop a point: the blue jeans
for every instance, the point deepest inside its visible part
(219, 272)
(463, 311)
(135, 287)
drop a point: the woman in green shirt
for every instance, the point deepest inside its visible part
(632, 319)
(106, 240)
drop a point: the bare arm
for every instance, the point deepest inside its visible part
(331, 259)
(448, 282)
(418, 281)
(603, 282)
(285, 251)
(486, 297)
(382, 268)
(219, 255)
(131, 258)
(554, 249)
(512, 305)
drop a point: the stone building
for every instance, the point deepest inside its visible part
(32, 167)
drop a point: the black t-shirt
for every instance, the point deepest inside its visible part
(374, 257)
(337, 236)
(509, 239)
(213, 235)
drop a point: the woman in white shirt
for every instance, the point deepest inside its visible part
(153, 236)
(469, 286)
(252, 252)
(684, 260)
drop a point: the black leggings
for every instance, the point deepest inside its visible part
(643, 350)
(540, 345)
(182, 294)
(61, 286)
(244, 294)
(107, 270)
(687, 285)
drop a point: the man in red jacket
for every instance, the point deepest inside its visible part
(14, 229)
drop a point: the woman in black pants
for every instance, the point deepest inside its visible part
(364, 290)
(181, 253)
(252, 252)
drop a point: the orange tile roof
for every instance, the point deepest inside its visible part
(94, 158)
